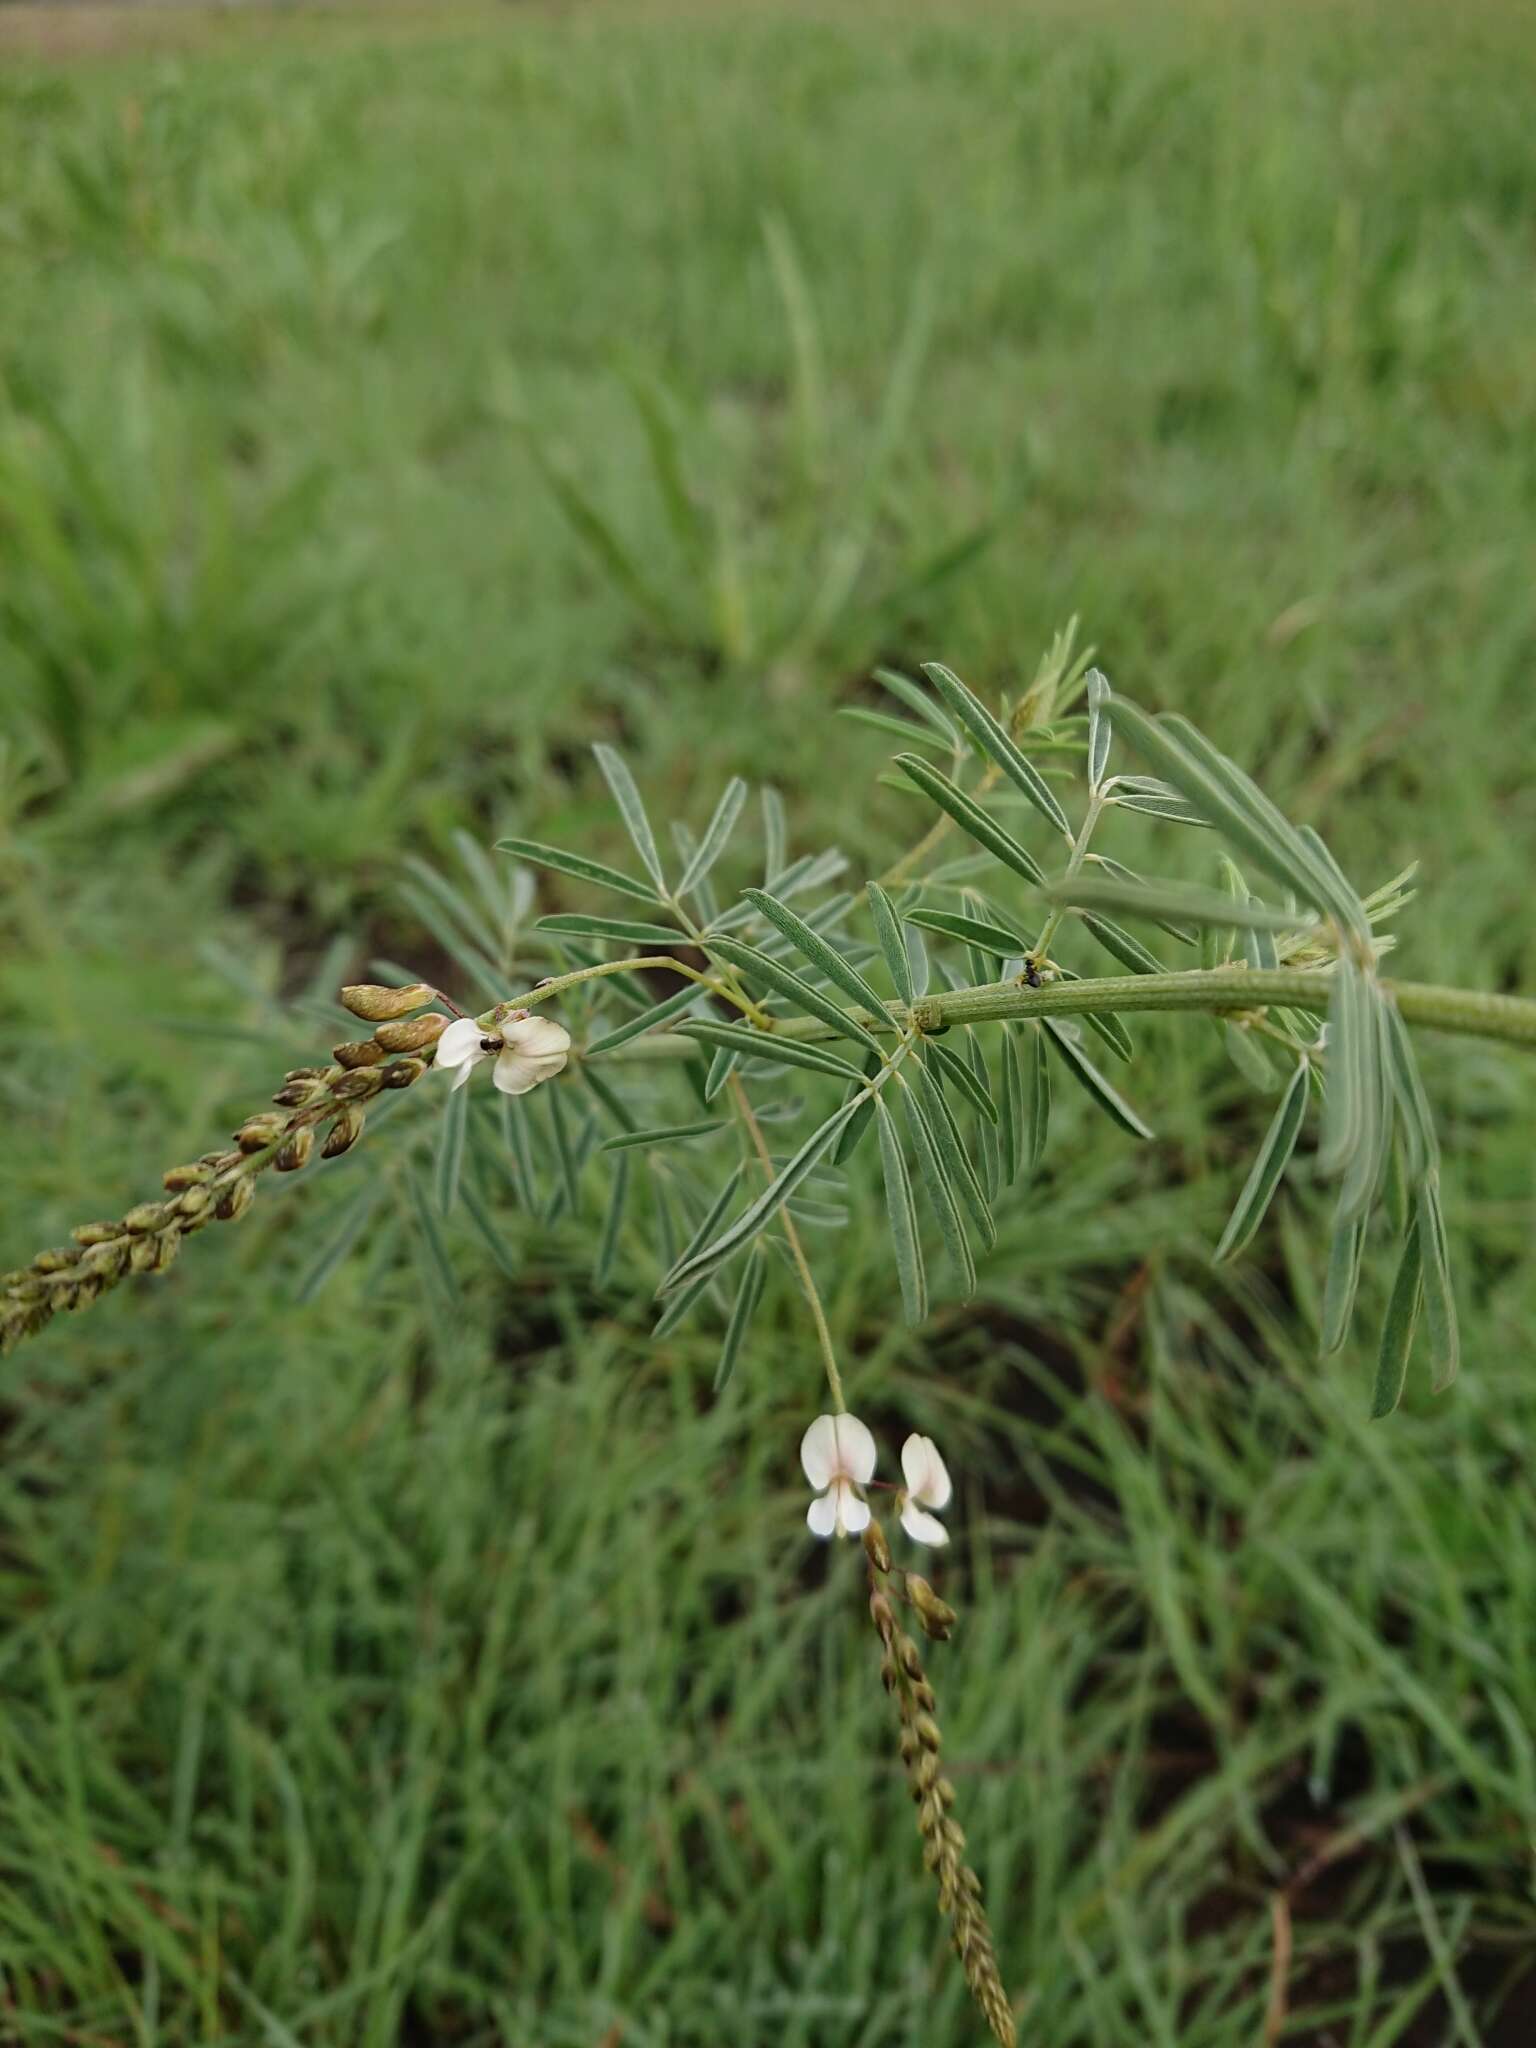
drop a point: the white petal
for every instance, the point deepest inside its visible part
(856, 1453)
(822, 1515)
(925, 1472)
(462, 1074)
(852, 1513)
(922, 1527)
(460, 1042)
(539, 1038)
(818, 1451)
(514, 1075)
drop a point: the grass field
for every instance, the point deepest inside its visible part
(379, 1669)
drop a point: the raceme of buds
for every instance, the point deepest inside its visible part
(376, 1004)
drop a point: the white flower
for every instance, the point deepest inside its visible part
(838, 1453)
(527, 1050)
(928, 1486)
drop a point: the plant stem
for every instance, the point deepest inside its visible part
(1508, 1020)
(796, 1249)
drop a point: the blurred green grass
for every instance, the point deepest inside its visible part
(377, 1675)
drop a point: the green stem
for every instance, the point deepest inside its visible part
(1508, 1020)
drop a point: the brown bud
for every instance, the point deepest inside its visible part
(881, 1613)
(178, 1177)
(344, 1133)
(298, 1094)
(147, 1216)
(876, 1549)
(925, 1773)
(412, 1034)
(236, 1199)
(305, 1074)
(109, 1261)
(403, 1073)
(295, 1150)
(143, 1254)
(56, 1260)
(937, 1617)
(194, 1209)
(358, 1052)
(909, 1744)
(167, 1243)
(358, 1087)
(911, 1662)
(922, 1695)
(375, 1003)
(259, 1132)
(96, 1233)
(926, 1730)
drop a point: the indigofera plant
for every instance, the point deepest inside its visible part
(927, 1016)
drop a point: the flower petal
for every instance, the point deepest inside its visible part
(856, 1453)
(852, 1514)
(513, 1074)
(822, 1515)
(462, 1074)
(460, 1042)
(923, 1527)
(539, 1038)
(925, 1472)
(818, 1450)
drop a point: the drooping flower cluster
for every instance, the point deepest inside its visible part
(838, 1454)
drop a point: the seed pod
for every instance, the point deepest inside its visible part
(236, 1199)
(295, 1150)
(259, 1132)
(876, 1549)
(375, 1003)
(96, 1233)
(403, 1073)
(178, 1177)
(412, 1034)
(147, 1216)
(358, 1052)
(344, 1133)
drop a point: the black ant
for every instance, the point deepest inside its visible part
(1032, 972)
(490, 1045)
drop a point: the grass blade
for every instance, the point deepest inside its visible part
(795, 989)
(817, 950)
(901, 1213)
(1274, 1155)
(577, 866)
(1439, 1296)
(1346, 1248)
(485, 1224)
(616, 774)
(450, 1149)
(940, 1192)
(1087, 1074)
(613, 1221)
(748, 1294)
(1398, 1331)
(761, 1212)
(770, 1045)
(969, 816)
(350, 1225)
(1099, 730)
(992, 739)
(990, 938)
(715, 839)
(892, 944)
(662, 1134)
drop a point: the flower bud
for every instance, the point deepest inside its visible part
(96, 1233)
(57, 1260)
(146, 1217)
(876, 1549)
(259, 1131)
(236, 1199)
(881, 1613)
(295, 1150)
(358, 1052)
(937, 1617)
(375, 1004)
(108, 1261)
(178, 1177)
(344, 1132)
(927, 1731)
(194, 1208)
(143, 1254)
(358, 1087)
(412, 1034)
(166, 1243)
(298, 1094)
(403, 1072)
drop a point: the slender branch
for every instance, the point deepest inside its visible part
(1510, 1020)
